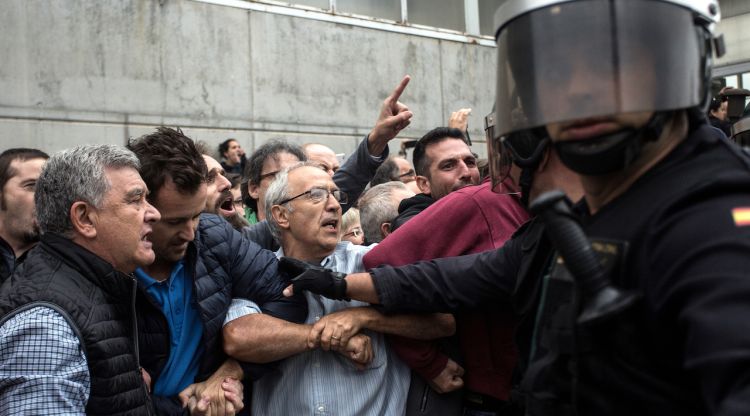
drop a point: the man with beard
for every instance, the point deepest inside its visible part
(481, 357)
(220, 200)
(444, 163)
(19, 171)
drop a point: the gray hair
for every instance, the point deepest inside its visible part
(278, 191)
(376, 207)
(74, 175)
(350, 218)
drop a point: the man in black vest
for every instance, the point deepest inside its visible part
(66, 340)
(655, 324)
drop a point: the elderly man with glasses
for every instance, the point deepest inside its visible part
(340, 339)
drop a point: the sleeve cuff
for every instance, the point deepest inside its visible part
(239, 308)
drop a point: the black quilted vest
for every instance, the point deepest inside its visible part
(96, 301)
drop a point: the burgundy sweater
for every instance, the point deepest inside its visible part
(470, 220)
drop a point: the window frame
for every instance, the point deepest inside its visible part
(471, 13)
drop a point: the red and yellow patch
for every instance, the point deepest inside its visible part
(741, 216)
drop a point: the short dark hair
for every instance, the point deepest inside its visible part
(254, 165)
(224, 146)
(716, 102)
(419, 158)
(11, 155)
(168, 153)
(386, 172)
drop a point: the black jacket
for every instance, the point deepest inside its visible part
(7, 260)
(722, 125)
(410, 207)
(679, 237)
(223, 265)
(96, 300)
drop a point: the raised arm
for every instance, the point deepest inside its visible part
(359, 168)
(394, 117)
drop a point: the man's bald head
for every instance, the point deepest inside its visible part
(323, 155)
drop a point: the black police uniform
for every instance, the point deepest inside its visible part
(680, 238)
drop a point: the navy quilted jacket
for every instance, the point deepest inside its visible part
(224, 265)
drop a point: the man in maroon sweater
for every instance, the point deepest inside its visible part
(463, 220)
(444, 163)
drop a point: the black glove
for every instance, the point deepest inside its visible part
(316, 279)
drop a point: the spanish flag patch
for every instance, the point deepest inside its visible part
(741, 216)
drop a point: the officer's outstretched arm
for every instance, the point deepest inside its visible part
(328, 283)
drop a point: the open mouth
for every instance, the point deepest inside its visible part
(227, 207)
(331, 225)
(145, 240)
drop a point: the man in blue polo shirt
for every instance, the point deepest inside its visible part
(174, 297)
(201, 264)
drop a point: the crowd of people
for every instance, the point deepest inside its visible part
(598, 267)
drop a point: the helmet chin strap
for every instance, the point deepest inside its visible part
(527, 177)
(611, 152)
(528, 164)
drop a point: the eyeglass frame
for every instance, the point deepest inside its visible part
(342, 199)
(356, 232)
(408, 173)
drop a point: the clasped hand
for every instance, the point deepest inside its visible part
(217, 396)
(340, 331)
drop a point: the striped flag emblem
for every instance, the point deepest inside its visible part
(741, 216)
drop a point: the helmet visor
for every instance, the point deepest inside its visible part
(594, 58)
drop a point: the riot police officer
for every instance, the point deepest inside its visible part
(620, 88)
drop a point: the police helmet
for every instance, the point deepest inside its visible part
(566, 60)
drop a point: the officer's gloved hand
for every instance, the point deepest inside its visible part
(316, 279)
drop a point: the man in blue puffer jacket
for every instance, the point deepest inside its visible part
(201, 264)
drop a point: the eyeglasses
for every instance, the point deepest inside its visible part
(356, 232)
(320, 194)
(408, 173)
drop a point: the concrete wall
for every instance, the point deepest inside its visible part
(102, 71)
(736, 38)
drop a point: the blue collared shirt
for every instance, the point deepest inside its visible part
(43, 369)
(175, 298)
(325, 382)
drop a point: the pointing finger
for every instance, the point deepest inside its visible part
(399, 89)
